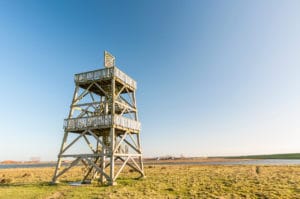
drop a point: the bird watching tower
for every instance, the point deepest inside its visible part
(104, 117)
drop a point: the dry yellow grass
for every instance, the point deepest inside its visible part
(181, 181)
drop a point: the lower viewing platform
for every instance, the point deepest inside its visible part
(98, 122)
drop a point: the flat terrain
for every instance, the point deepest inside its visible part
(163, 181)
(291, 156)
(194, 159)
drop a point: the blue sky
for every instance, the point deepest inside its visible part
(214, 77)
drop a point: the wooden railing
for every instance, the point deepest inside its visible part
(103, 121)
(105, 73)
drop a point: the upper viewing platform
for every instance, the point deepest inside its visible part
(105, 74)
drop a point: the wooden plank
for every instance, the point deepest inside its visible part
(127, 154)
(83, 155)
(85, 104)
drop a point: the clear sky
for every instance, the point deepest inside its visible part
(214, 77)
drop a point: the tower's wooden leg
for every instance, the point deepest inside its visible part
(102, 178)
(57, 168)
(112, 157)
(140, 157)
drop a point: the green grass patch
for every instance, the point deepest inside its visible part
(168, 181)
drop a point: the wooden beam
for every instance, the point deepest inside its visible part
(129, 164)
(134, 141)
(120, 91)
(122, 98)
(82, 155)
(73, 101)
(98, 168)
(83, 94)
(112, 132)
(133, 147)
(89, 144)
(77, 138)
(71, 165)
(124, 163)
(125, 105)
(96, 137)
(59, 158)
(90, 170)
(85, 104)
(101, 89)
(127, 154)
(118, 145)
(134, 162)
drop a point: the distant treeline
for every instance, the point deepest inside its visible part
(271, 156)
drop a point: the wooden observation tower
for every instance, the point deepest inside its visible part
(104, 117)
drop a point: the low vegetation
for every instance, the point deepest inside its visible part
(180, 181)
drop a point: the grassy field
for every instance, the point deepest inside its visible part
(181, 181)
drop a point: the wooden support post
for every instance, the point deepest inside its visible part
(103, 166)
(57, 168)
(112, 134)
(140, 158)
